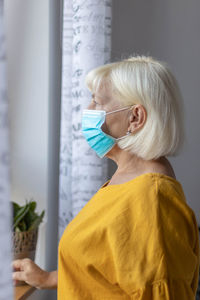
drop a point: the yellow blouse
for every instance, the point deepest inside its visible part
(135, 240)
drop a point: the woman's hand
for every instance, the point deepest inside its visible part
(26, 270)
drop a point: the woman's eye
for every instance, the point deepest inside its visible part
(94, 99)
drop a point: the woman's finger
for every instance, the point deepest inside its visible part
(18, 276)
(15, 282)
(16, 263)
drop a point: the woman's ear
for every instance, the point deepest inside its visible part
(137, 118)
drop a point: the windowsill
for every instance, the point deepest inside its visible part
(23, 291)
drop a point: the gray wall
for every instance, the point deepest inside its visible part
(169, 31)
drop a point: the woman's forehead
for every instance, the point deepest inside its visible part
(104, 90)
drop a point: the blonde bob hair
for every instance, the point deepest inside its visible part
(149, 82)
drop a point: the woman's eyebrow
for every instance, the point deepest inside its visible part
(100, 97)
(95, 95)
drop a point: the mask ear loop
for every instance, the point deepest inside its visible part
(128, 132)
(124, 108)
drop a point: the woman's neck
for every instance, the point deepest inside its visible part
(131, 166)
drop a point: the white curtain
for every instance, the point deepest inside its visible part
(6, 290)
(86, 45)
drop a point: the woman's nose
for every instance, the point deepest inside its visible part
(90, 106)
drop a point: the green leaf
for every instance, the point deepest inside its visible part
(33, 206)
(20, 214)
(37, 221)
(24, 217)
(15, 208)
(30, 218)
(22, 225)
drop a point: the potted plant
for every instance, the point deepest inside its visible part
(25, 230)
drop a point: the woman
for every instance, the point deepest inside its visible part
(136, 238)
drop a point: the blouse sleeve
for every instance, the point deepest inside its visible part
(149, 252)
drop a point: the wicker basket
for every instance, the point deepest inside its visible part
(24, 245)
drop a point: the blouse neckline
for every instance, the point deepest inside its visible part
(105, 186)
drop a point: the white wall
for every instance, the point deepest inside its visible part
(27, 59)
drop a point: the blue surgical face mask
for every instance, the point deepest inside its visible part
(99, 141)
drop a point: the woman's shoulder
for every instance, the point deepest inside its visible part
(156, 200)
(144, 181)
(148, 193)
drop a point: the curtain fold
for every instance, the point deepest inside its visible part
(86, 45)
(6, 289)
